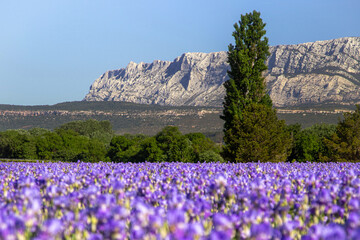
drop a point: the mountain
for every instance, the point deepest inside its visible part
(193, 79)
(308, 73)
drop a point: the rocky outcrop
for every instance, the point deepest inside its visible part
(323, 71)
(191, 79)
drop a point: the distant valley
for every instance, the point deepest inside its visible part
(150, 119)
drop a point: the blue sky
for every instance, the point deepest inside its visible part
(51, 51)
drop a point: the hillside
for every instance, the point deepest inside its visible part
(150, 119)
(318, 72)
(125, 117)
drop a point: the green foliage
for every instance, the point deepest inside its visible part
(210, 156)
(203, 147)
(101, 130)
(84, 140)
(75, 141)
(307, 147)
(309, 144)
(344, 144)
(150, 151)
(17, 144)
(168, 145)
(252, 131)
(73, 146)
(38, 131)
(124, 148)
(94, 151)
(293, 130)
(247, 63)
(47, 145)
(258, 137)
(177, 147)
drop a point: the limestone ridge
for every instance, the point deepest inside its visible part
(191, 79)
(324, 71)
(318, 72)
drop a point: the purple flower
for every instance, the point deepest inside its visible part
(96, 236)
(53, 226)
(261, 231)
(353, 220)
(142, 211)
(355, 234)
(219, 235)
(176, 216)
(222, 224)
(354, 204)
(328, 232)
(137, 232)
(179, 201)
(50, 229)
(220, 180)
(290, 226)
(324, 196)
(119, 213)
(156, 221)
(195, 230)
(333, 232)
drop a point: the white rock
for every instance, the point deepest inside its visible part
(323, 71)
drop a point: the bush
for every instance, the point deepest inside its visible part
(210, 156)
(344, 143)
(309, 143)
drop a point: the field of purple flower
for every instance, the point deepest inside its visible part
(179, 201)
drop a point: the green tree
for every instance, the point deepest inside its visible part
(125, 148)
(293, 130)
(38, 131)
(150, 151)
(95, 151)
(84, 140)
(309, 143)
(258, 137)
(204, 150)
(101, 130)
(176, 147)
(47, 145)
(209, 156)
(344, 144)
(17, 144)
(168, 145)
(246, 99)
(73, 146)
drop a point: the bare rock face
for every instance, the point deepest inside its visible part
(324, 71)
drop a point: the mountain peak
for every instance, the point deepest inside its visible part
(316, 72)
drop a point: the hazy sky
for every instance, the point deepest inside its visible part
(51, 51)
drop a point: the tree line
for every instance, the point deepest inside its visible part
(94, 141)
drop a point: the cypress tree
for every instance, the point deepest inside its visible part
(249, 117)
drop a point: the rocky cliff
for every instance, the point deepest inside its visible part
(318, 72)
